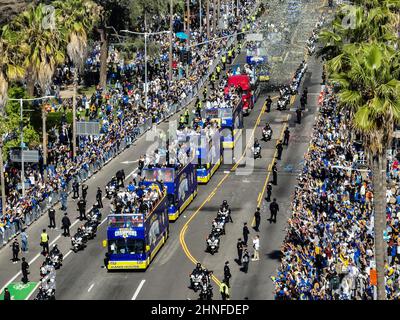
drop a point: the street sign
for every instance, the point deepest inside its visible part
(254, 37)
(87, 128)
(29, 155)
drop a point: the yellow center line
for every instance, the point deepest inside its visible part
(185, 227)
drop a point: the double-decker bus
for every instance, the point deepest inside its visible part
(133, 239)
(209, 155)
(178, 176)
(230, 121)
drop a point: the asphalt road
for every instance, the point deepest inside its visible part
(82, 276)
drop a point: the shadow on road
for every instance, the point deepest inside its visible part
(275, 255)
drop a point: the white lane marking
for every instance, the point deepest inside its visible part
(91, 287)
(129, 162)
(138, 289)
(127, 177)
(58, 237)
(68, 253)
(34, 289)
(104, 220)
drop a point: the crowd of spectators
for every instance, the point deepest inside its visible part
(391, 234)
(120, 109)
(329, 246)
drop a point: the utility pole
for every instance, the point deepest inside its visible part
(201, 17)
(171, 13)
(21, 125)
(74, 114)
(208, 19)
(188, 39)
(44, 133)
(214, 16)
(2, 180)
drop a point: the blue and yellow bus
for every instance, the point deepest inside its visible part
(231, 122)
(209, 156)
(134, 239)
(181, 184)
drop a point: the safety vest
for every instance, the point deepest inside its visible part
(218, 69)
(44, 237)
(248, 26)
(223, 59)
(213, 77)
(230, 53)
(221, 288)
(199, 104)
(186, 113)
(182, 119)
(253, 18)
(243, 29)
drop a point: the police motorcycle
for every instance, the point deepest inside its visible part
(206, 292)
(94, 214)
(218, 227)
(112, 188)
(47, 290)
(298, 76)
(284, 98)
(79, 240)
(256, 149)
(196, 278)
(267, 133)
(47, 269)
(212, 243)
(56, 257)
(90, 229)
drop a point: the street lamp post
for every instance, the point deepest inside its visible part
(145, 34)
(22, 140)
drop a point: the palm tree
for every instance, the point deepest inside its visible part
(78, 18)
(370, 89)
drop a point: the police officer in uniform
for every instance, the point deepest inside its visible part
(44, 242)
(99, 197)
(223, 60)
(269, 103)
(181, 122)
(66, 223)
(274, 174)
(15, 251)
(279, 147)
(269, 192)
(286, 136)
(24, 270)
(213, 78)
(274, 208)
(227, 273)
(75, 189)
(52, 218)
(82, 209)
(84, 191)
(230, 56)
(186, 116)
(239, 247)
(224, 290)
(218, 70)
(198, 108)
(298, 114)
(257, 218)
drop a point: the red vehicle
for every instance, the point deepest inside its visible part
(243, 81)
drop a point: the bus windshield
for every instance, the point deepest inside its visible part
(126, 221)
(126, 246)
(154, 174)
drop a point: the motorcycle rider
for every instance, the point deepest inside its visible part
(257, 148)
(267, 131)
(224, 210)
(212, 240)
